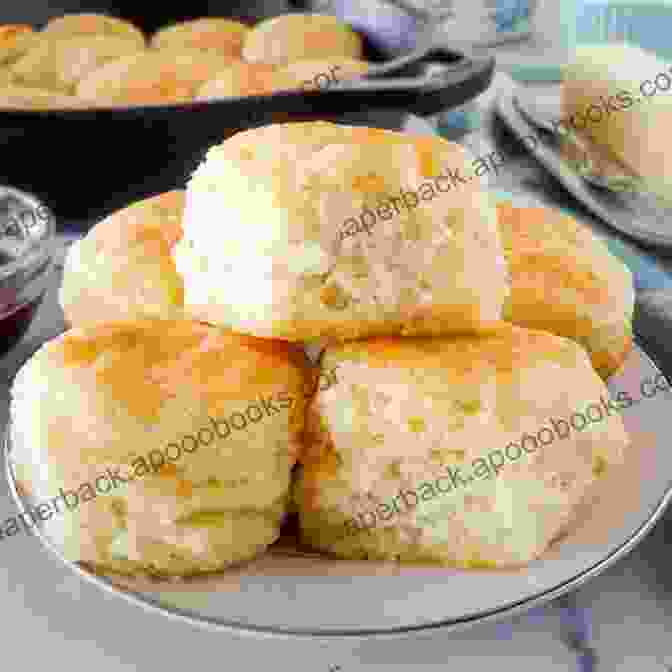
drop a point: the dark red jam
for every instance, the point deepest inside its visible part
(15, 322)
(16, 313)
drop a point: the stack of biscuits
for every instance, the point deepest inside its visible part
(451, 327)
(93, 60)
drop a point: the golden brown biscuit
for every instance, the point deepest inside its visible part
(339, 232)
(59, 65)
(29, 98)
(471, 452)
(15, 40)
(255, 79)
(293, 37)
(322, 74)
(564, 280)
(241, 79)
(202, 424)
(632, 126)
(71, 25)
(224, 35)
(153, 77)
(123, 268)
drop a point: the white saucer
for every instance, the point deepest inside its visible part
(640, 216)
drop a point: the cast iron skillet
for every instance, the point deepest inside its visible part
(85, 163)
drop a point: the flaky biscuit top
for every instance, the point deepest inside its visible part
(276, 204)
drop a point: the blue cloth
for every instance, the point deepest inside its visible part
(512, 15)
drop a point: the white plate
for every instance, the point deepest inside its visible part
(304, 596)
(347, 603)
(642, 217)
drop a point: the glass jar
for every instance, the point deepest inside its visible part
(27, 231)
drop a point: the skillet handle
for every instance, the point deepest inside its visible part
(427, 80)
(428, 50)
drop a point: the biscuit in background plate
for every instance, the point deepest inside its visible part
(15, 40)
(273, 246)
(73, 25)
(30, 98)
(59, 65)
(167, 76)
(455, 451)
(123, 268)
(614, 94)
(565, 280)
(293, 37)
(224, 35)
(204, 424)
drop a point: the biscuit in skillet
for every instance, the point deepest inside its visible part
(223, 35)
(31, 98)
(242, 79)
(167, 76)
(293, 37)
(87, 23)
(59, 64)
(321, 74)
(255, 79)
(15, 40)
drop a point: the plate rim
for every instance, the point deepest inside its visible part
(275, 632)
(570, 181)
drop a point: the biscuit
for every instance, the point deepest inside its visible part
(15, 40)
(241, 79)
(73, 25)
(322, 74)
(177, 439)
(59, 65)
(167, 76)
(30, 98)
(468, 452)
(565, 280)
(293, 37)
(122, 268)
(619, 96)
(339, 232)
(223, 35)
(256, 79)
